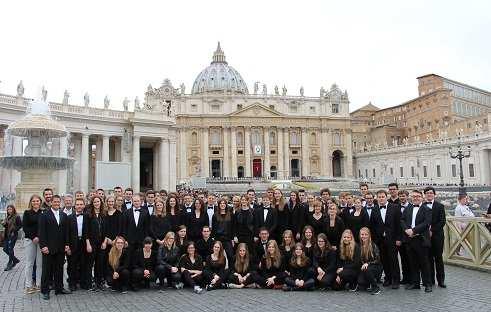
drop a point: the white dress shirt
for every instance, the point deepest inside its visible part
(57, 215)
(369, 211)
(80, 221)
(136, 215)
(150, 209)
(383, 212)
(413, 220)
(210, 211)
(429, 205)
(265, 213)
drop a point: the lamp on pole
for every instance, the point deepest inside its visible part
(460, 153)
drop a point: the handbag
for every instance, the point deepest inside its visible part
(2, 237)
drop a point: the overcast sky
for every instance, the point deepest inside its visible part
(374, 49)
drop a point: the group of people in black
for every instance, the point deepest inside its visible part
(126, 241)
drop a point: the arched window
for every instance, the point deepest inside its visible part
(240, 139)
(294, 138)
(215, 137)
(194, 138)
(273, 172)
(313, 138)
(272, 138)
(256, 137)
(240, 172)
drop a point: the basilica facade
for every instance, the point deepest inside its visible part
(219, 129)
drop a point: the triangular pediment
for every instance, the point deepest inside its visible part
(256, 110)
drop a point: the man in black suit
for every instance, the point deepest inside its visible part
(437, 236)
(78, 264)
(135, 226)
(188, 205)
(415, 222)
(128, 194)
(150, 202)
(53, 241)
(204, 245)
(406, 270)
(260, 245)
(370, 207)
(387, 231)
(210, 207)
(265, 216)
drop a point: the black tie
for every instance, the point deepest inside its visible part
(79, 214)
(137, 210)
(383, 207)
(210, 208)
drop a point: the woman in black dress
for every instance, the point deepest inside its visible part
(195, 220)
(174, 213)
(297, 215)
(182, 240)
(357, 219)
(349, 262)
(118, 266)
(287, 245)
(242, 272)
(214, 272)
(96, 238)
(299, 269)
(308, 241)
(112, 227)
(168, 262)
(243, 224)
(283, 215)
(272, 267)
(317, 220)
(334, 226)
(371, 268)
(325, 263)
(160, 224)
(222, 228)
(191, 265)
(144, 265)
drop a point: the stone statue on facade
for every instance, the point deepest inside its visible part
(106, 102)
(20, 89)
(86, 99)
(125, 104)
(183, 89)
(322, 92)
(276, 90)
(149, 88)
(405, 141)
(137, 103)
(301, 91)
(66, 95)
(265, 89)
(284, 90)
(44, 93)
(256, 87)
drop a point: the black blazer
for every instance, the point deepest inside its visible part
(438, 218)
(422, 223)
(51, 234)
(392, 225)
(135, 233)
(297, 217)
(270, 222)
(73, 231)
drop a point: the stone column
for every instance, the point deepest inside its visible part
(105, 148)
(247, 151)
(183, 161)
(205, 154)
(279, 153)
(349, 155)
(164, 163)
(124, 153)
(155, 172)
(226, 154)
(330, 149)
(62, 175)
(305, 153)
(233, 144)
(485, 168)
(286, 152)
(324, 153)
(267, 164)
(84, 164)
(172, 165)
(135, 165)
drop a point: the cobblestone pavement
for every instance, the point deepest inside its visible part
(467, 291)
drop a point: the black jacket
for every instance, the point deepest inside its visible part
(392, 225)
(135, 233)
(73, 231)
(422, 224)
(30, 223)
(51, 234)
(168, 257)
(438, 218)
(270, 222)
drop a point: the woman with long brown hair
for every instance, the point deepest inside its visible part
(11, 224)
(191, 265)
(242, 272)
(283, 220)
(96, 241)
(349, 262)
(308, 241)
(272, 267)
(325, 263)
(118, 266)
(297, 212)
(214, 272)
(371, 268)
(195, 220)
(287, 245)
(221, 229)
(112, 226)
(160, 223)
(174, 213)
(168, 262)
(31, 244)
(299, 271)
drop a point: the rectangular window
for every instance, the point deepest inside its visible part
(391, 171)
(366, 173)
(215, 107)
(373, 172)
(312, 109)
(194, 107)
(240, 152)
(401, 171)
(471, 170)
(412, 172)
(425, 171)
(438, 171)
(454, 170)
(273, 152)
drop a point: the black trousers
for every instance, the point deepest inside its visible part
(96, 259)
(418, 261)
(78, 267)
(52, 271)
(252, 278)
(138, 278)
(163, 272)
(348, 276)
(279, 280)
(121, 282)
(406, 270)
(390, 262)
(436, 258)
(208, 277)
(229, 250)
(192, 281)
(327, 280)
(308, 283)
(370, 276)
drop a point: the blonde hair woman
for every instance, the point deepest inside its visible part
(31, 244)
(272, 267)
(118, 266)
(371, 268)
(168, 262)
(349, 262)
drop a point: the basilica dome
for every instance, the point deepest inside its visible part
(219, 77)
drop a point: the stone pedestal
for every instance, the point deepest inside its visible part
(33, 181)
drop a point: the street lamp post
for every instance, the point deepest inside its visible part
(461, 153)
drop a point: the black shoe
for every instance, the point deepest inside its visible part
(395, 286)
(412, 286)
(124, 290)
(386, 284)
(428, 289)
(63, 292)
(45, 296)
(8, 267)
(442, 285)
(375, 291)
(72, 288)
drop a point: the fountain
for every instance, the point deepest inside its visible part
(36, 146)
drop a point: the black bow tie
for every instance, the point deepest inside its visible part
(79, 214)
(369, 207)
(137, 210)
(210, 208)
(415, 206)
(383, 207)
(267, 208)
(429, 203)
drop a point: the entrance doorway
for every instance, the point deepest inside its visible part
(257, 168)
(240, 172)
(146, 169)
(337, 168)
(295, 167)
(216, 170)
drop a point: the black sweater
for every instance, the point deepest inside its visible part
(214, 267)
(244, 224)
(221, 229)
(124, 263)
(168, 257)
(195, 225)
(354, 264)
(112, 225)
(334, 233)
(327, 261)
(299, 272)
(159, 226)
(273, 270)
(185, 263)
(30, 223)
(140, 262)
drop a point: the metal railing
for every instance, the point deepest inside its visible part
(468, 242)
